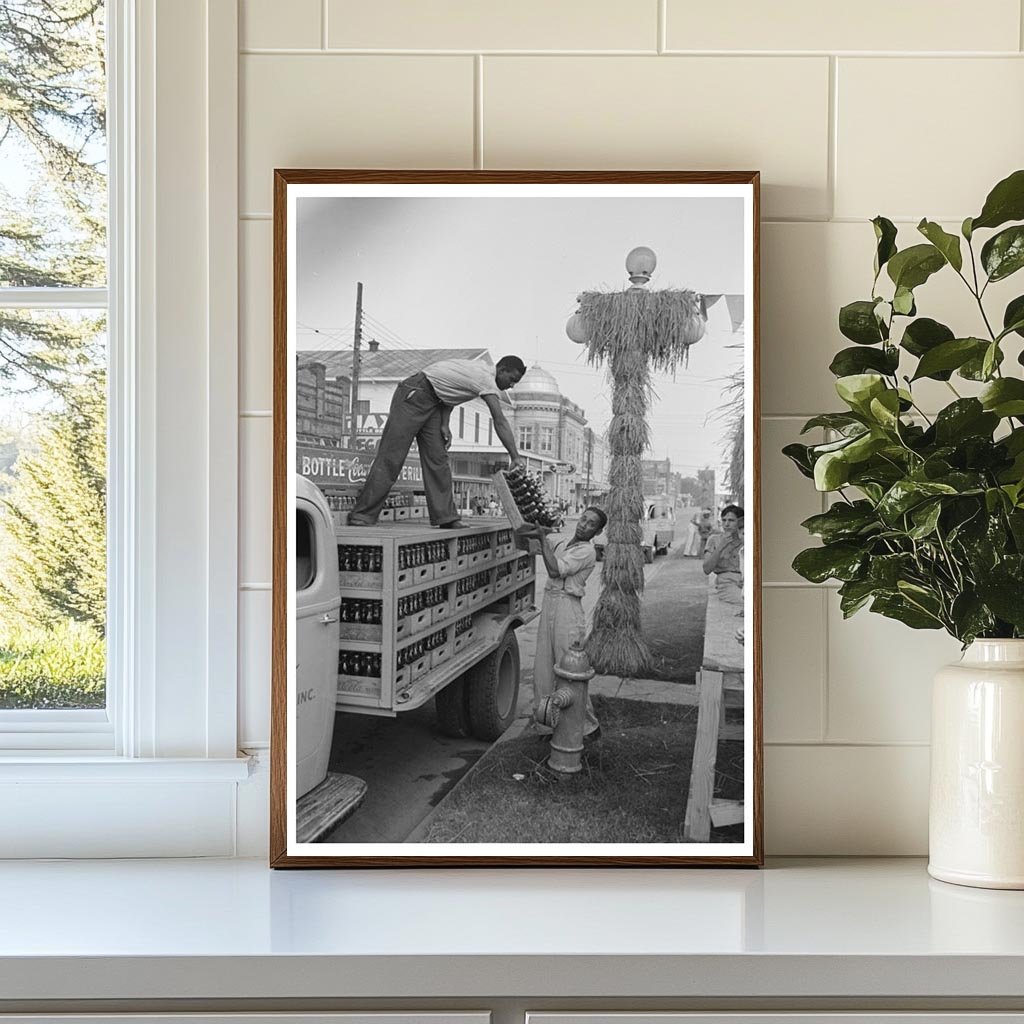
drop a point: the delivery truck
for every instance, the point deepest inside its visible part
(390, 617)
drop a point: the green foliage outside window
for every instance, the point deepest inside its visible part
(52, 365)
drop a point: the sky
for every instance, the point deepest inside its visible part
(504, 273)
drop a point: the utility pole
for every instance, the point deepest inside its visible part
(356, 342)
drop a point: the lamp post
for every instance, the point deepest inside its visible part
(633, 332)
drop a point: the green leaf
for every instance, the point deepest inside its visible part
(925, 518)
(840, 561)
(850, 361)
(907, 494)
(966, 417)
(923, 335)
(857, 321)
(912, 267)
(886, 571)
(991, 360)
(1003, 254)
(831, 471)
(1013, 317)
(970, 617)
(949, 355)
(885, 236)
(947, 244)
(965, 229)
(843, 521)
(1002, 595)
(858, 389)
(854, 595)
(900, 609)
(800, 456)
(1005, 202)
(1004, 397)
(974, 368)
(885, 409)
(903, 302)
(833, 420)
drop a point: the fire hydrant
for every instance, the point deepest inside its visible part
(565, 711)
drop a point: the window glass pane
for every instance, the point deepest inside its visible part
(53, 150)
(52, 509)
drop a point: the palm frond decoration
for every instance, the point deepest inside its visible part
(733, 413)
(633, 333)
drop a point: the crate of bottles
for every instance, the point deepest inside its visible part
(524, 567)
(359, 673)
(361, 619)
(465, 634)
(360, 566)
(504, 544)
(504, 577)
(418, 563)
(473, 550)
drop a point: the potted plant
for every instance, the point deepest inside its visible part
(927, 522)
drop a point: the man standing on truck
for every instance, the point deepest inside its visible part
(569, 562)
(421, 408)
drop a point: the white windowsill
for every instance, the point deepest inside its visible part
(77, 766)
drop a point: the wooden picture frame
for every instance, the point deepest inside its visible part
(332, 228)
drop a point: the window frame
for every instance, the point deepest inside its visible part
(526, 438)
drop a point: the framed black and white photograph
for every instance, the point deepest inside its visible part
(516, 556)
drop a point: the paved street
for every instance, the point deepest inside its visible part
(409, 767)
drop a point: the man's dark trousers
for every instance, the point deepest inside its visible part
(415, 413)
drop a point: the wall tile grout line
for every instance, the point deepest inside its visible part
(852, 744)
(338, 51)
(823, 724)
(662, 26)
(831, 171)
(1020, 24)
(323, 24)
(255, 414)
(478, 111)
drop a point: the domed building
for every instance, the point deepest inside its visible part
(550, 432)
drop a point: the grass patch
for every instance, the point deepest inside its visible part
(632, 789)
(61, 667)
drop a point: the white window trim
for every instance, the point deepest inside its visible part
(173, 498)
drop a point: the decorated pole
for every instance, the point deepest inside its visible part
(633, 332)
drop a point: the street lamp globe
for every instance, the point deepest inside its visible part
(640, 264)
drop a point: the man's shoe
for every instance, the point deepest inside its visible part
(357, 520)
(455, 524)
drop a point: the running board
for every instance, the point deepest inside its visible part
(328, 805)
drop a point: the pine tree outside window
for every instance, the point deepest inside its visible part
(53, 357)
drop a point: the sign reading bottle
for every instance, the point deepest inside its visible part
(339, 467)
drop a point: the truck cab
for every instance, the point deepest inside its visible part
(659, 526)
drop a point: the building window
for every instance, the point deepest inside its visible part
(476, 428)
(462, 423)
(363, 407)
(53, 359)
(547, 439)
(526, 439)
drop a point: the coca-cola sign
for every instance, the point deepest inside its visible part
(339, 466)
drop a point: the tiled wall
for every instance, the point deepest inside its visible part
(906, 109)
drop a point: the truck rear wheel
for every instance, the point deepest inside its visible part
(450, 705)
(648, 555)
(493, 690)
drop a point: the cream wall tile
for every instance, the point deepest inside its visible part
(787, 498)
(255, 321)
(809, 271)
(265, 24)
(794, 663)
(254, 667)
(846, 801)
(255, 509)
(870, 25)
(880, 676)
(962, 125)
(691, 113)
(470, 25)
(357, 111)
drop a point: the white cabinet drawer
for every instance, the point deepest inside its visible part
(355, 1017)
(775, 1018)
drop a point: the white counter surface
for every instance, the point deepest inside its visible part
(135, 930)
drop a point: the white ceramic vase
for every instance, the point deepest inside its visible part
(976, 814)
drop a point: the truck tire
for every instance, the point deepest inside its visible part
(451, 708)
(493, 690)
(648, 555)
